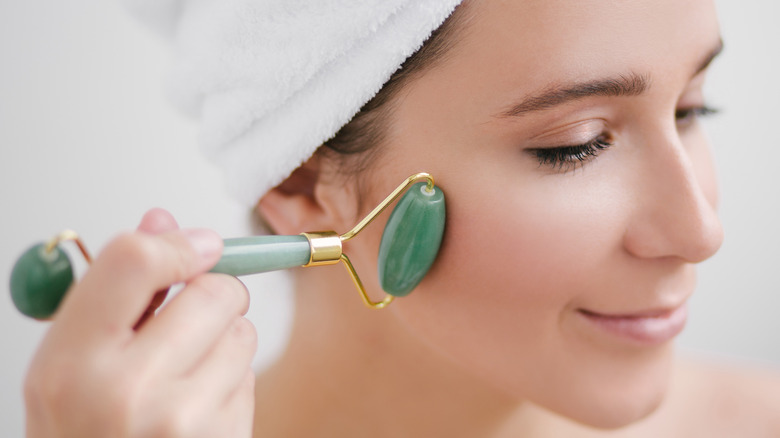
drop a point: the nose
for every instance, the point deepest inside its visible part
(674, 212)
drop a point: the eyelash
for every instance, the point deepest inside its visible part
(566, 158)
(686, 116)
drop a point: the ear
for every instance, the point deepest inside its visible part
(306, 202)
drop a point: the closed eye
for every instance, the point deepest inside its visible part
(687, 116)
(566, 158)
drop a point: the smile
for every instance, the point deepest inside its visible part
(650, 327)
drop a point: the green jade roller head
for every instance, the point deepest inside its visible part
(410, 243)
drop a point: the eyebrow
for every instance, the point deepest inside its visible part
(624, 85)
(632, 84)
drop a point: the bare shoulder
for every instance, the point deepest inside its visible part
(726, 399)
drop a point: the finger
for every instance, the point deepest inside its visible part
(220, 373)
(239, 411)
(189, 326)
(187, 415)
(156, 221)
(123, 279)
(232, 419)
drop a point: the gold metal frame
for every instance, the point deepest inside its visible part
(326, 246)
(65, 236)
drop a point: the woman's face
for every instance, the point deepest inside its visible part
(580, 194)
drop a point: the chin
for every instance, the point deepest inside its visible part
(621, 414)
(615, 393)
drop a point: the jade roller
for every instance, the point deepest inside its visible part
(410, 243)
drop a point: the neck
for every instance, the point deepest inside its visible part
(352, 371)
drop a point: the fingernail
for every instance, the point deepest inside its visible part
(206, 243)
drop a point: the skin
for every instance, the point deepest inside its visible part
(99, 372)
(493, 342)
(528, 246)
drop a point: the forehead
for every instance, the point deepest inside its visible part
(526, 44)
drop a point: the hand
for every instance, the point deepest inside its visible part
(108, 369)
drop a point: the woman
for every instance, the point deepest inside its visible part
(580, 195)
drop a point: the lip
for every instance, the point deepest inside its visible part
(649, 327)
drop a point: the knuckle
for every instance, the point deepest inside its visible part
(223, 290)
(244, 331)
(178, 423)
(133, 251)
(142, 254)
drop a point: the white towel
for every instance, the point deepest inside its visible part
(271, 80)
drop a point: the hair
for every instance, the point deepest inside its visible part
(358, 143)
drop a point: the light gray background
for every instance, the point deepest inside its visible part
(89, 142)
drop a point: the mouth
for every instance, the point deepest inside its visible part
(648, 327)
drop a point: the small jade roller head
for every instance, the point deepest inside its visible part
(40, 279)
(409, 246)
(411, 240)
(42, 275)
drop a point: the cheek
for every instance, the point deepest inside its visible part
(515, 258)
(540, 239)
(533, 245)
(500, 297)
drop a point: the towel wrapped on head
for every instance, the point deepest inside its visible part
(271, 80)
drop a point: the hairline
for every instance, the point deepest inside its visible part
(370, 126)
